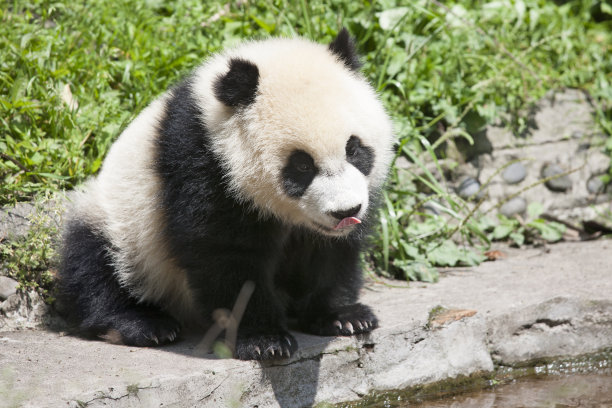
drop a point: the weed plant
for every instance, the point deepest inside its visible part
(73, 74)
(31, 259)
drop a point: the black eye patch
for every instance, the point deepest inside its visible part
(298, 173)
(359, 155)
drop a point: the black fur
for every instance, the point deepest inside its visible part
(89, 294)
(298, 173)
(359, 155)
(239, 86)
(343, 46)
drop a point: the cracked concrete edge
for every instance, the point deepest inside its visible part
(387, 360)
(561, 326)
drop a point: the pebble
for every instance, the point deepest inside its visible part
(595, 185)
(468, 188)
(516, 205)
(431, 207)
(514, 173)
(8, 287)
(560, 184)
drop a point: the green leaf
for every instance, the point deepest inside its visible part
(550, 231)
(51, 176)
(417, 271)
(534, 210)
(470, 257)
(518, 238)
(221, 350)
(502, 231)
(609, 144)
(446, 254)
(413, 252)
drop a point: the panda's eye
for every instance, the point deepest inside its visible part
(298, 173)
(303, 167)
(352, 146)
(359, 155)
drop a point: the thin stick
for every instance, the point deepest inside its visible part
(20, 165)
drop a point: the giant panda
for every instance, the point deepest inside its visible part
(264, 165)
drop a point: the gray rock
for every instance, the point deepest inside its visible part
(560, 184)
(563, 114)
(516, 205)
(8, 287)
(514, 173)
(595, 185)
(431, 207)
(26, 310)
(468, 188)
(15, 220)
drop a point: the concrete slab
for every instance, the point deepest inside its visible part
(535, 303)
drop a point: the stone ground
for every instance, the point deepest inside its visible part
(562, 138)
(534, 303)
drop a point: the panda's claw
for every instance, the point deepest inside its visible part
(344, 321)
(265, 346)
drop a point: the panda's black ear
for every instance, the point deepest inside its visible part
(343, 46)
(238, 87)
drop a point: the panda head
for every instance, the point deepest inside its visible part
(301, 134)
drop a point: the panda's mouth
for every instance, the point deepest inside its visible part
(341, 229)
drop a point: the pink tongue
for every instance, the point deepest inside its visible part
(347, 221)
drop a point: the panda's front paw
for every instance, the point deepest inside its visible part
(344, 321)
(261, 346)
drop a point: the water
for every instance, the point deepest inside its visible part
(583, 381)
(553, 391)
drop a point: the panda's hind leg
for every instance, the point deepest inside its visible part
(90, 295)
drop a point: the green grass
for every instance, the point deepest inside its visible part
(444, 70)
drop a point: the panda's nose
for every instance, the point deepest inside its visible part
(342, 214)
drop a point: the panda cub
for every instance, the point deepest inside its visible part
(265, 165)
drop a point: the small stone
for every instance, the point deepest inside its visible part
(516, 205)
(8, 287)
(595, 185)
(431, 207)
(514, 173)
(468, 188)
(560, 184)
(583, 147)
